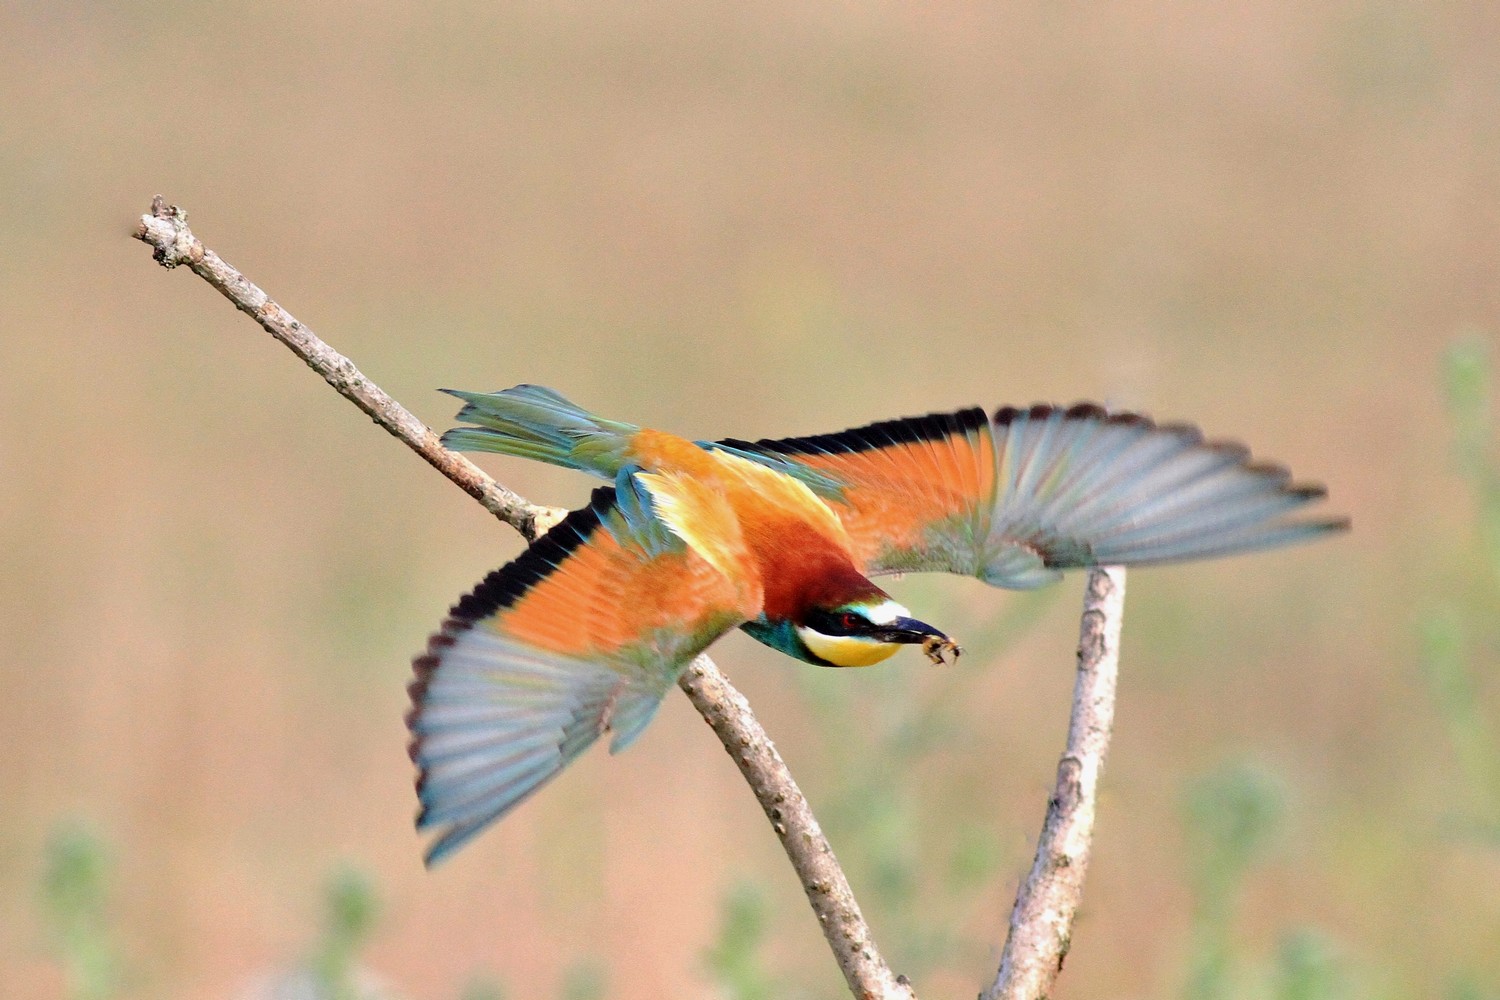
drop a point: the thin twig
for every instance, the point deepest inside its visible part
(1041, 923)
(166, 229)
(724, 708)
(823, 880)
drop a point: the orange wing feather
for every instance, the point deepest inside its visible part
(603, 599)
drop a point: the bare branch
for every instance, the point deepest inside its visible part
(166, 229)
(1041, 923)
(724, 708)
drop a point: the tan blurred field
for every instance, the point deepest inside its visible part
(1270, 219)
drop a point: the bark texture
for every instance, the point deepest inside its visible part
(1041, 923)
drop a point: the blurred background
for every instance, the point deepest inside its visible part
(1276, 220)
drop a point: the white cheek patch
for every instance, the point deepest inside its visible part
(886, 612)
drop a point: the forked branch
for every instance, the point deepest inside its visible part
(724, 708)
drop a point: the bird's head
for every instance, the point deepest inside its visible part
(859, 633)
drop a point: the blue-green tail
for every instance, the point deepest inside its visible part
(532, 421)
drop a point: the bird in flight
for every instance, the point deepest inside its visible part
(588, 629)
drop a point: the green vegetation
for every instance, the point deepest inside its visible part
(735, 961)
(1233, 816)
(1463, 632)
(75, 912)
(351, 912)
(1469, 381)
(1447, 638)
(1460, 637)
(1308, 968)
(586, 979)
(484, 988)
(75, 891)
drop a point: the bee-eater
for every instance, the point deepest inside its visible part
(587, 630)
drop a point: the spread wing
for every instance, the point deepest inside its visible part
(580, 635)
(1017, 497)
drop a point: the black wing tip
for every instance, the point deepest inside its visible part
(1332, 525)
(1308, 492)
(423, 666)
(1086, 410)
(1081, 410)
(1275, 472)
(1234, 450)
(448, 843)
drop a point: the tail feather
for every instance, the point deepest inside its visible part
(532, 421)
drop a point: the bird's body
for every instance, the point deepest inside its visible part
(587, 630)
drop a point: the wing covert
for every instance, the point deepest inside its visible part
(893, 481)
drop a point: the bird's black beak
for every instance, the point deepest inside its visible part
(909, 630)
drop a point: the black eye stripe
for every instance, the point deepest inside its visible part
(837, 623)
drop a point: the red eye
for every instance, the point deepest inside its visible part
(848, 621)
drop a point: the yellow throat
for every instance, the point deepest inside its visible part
(847, 650)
